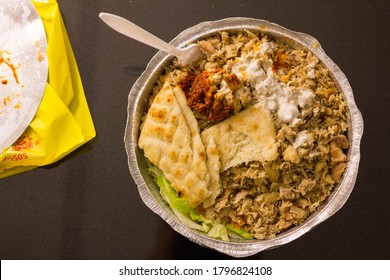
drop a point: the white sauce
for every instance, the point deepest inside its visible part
(301, 139)
(225, 92)
(268, 90)
(311, 74)
(266, 48)
(305, 98)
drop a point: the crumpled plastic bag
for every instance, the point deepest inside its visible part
(63, 121)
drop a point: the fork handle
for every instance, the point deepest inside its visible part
(135, 32)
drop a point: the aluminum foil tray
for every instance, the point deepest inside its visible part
(149, 191)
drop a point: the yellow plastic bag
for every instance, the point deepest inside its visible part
(63, 121)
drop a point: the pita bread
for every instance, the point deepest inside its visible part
(171, 140)
(245, 137)
(213, 166)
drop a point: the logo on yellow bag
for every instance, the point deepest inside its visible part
(24, 143)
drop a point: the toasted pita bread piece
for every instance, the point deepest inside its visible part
(213, 166)
(171, 140)
(245, 137)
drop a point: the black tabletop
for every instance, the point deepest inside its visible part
(87, 206)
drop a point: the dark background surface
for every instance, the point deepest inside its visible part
(87, 205)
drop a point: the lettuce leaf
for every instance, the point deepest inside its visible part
(168, 193)
(219, 231)
(186, 221)
(241, 232)
(187, 215)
